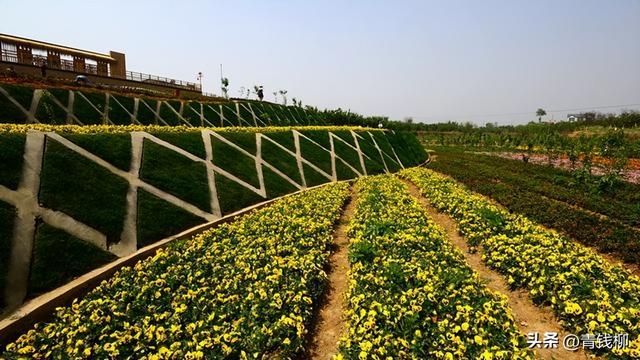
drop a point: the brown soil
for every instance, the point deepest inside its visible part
(529, 317)
(328, 326)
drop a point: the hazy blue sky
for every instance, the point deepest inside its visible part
(434, 61)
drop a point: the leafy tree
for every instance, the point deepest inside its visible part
(225, 87)
(540, 113)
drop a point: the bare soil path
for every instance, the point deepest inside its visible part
(530, 318)
(328, 326)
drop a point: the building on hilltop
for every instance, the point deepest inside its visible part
(37, 58)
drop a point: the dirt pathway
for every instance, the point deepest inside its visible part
(529, 317)
(326, 331)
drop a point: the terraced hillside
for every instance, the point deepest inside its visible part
(81, 196)
(21, 104)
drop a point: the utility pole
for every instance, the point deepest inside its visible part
(200, 79)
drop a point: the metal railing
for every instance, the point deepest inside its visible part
(159, 80)
(9, 56)
(38, 60)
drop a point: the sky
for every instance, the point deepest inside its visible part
(477, 61)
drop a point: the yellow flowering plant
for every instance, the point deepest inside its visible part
(589, 294)
(246, 290)
(111, 129)
(411, 294)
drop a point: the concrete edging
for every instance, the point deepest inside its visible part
(42, 308)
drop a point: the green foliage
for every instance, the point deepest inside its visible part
(158, 219)
(233, 196)
(175, 174)
(84, 190)
(119, 109)
(189, 141)
(11, 158)
(7, 216)
(281, 160)
(316, 155)
(275, 185)
(385, 146)
(146, 108)
(169, 112)
(235, 162)
(21, 94)
(59, 257)
(347, 154)
(61, 94)
(86, 113)
(191, 113)
(245, 140)
(313, 177)
(547, 195)
(113, 148)
(49, 112)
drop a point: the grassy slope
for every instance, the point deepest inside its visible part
(7, 215)
(82, 189)
(59, 257)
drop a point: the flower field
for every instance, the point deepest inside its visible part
(411, 293)
(243, 290)
(587, 293)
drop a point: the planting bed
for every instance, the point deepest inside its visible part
(587, 293)
(554, 198)
(411, 293)
(244, 290)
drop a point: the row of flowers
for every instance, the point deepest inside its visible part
(92, 129)
(411, 293)
(243, 290)
(587, 293)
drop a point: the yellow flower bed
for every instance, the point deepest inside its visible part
(92, 129)
(244, 290)
(411, 294)
(587, 293)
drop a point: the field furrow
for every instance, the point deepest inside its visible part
(411, 293)
(588, 294)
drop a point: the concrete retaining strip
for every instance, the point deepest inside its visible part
(43, 307)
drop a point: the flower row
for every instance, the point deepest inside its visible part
(92, 129)
(411, 293)
(246, 289)
(586, 292)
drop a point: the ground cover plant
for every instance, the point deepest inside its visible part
(549, 196)
(585, 291)
(411, 293)
(246, 289)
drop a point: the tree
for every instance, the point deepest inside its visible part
(540, 113)
(225, 87)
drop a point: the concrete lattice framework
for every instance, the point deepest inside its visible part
(25, 198)
(223, 114)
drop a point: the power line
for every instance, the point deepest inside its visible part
(528, 112)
